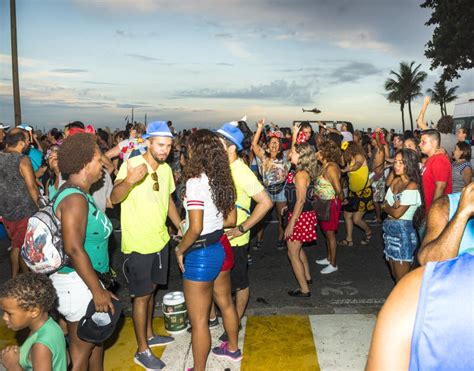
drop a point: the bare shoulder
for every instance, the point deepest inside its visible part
(412, 186)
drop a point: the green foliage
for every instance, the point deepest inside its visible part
(452, 43)
(405, 85)
(441, 95)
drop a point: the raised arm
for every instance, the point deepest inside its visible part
(443, 238)
(256, 148)
(421, 117)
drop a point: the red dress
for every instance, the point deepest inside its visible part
(305, 226)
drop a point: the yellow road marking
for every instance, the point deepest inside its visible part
(120, 349)
(279, 343)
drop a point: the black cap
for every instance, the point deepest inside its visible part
(96, 327)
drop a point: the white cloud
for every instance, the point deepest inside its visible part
(237, 49)
(361, 40)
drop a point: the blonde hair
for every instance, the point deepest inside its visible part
(307, 160)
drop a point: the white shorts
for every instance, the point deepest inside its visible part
(73, 294)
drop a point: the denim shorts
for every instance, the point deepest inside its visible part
(279, 197)
(400, 240)
(204, 264)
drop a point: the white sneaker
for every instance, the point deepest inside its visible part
(324, 261)
(329, 269)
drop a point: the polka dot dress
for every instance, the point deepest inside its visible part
(305, 227)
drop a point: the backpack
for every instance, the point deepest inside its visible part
(43, 250)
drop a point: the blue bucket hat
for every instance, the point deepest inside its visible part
(231, 132)
(157, 129)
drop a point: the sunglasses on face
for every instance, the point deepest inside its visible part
(156, 185)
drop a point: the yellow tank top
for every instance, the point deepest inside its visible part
(358, 179)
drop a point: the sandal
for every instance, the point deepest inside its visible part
(345, 242)
(298, 294)
(366, 239)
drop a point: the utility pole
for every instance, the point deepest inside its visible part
(16, 84)
(132, 117)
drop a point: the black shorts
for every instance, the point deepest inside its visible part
(144, 271)
(239, 277)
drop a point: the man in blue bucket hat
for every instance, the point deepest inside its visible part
(247, 187)
(144, 186)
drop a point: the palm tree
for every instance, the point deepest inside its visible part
(395, 95)
(441, 95)
(411, 82)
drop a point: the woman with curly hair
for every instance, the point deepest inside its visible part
(25, 301)
(328, 187)
(210, 205)
(273, 165)
(359, 200)
(301, 216)
(85, 233)
(401, 201)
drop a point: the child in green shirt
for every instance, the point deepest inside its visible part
(25, 301)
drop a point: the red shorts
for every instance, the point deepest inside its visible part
(305, 227)
(333, 223)
(229, 255)
(16, 231)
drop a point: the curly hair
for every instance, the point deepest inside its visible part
(353, 150)
(307, 160)
(445, 124)
(76, 152)
(280, 148)
(330, 151)
(31, 290)
(208, 156)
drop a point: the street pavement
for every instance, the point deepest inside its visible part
(329, 331)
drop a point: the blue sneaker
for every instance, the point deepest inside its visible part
(222, 351)
(159, 341)
(148, 360)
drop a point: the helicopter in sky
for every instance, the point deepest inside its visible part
(314, 110)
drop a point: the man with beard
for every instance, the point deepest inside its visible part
(144, 186)
(18, 193)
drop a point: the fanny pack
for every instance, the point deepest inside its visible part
(205, 240)
(274, 189)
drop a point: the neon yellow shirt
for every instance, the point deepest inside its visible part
(144, 211)
(246, 186)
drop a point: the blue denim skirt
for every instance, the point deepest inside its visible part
(204, 264)
(400, 240)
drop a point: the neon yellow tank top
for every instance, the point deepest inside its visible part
(358, 179)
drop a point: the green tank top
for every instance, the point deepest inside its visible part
(98, 231)
(50, 335)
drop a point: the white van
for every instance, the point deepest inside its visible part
(463, 117)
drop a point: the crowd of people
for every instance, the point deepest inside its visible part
(199, 194)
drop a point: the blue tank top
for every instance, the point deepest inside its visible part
(467, 241)
(443, 334)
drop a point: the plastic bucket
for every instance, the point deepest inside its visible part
(175, 312)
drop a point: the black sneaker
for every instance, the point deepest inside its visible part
(258, 245)
(224, 336)
(212, 324)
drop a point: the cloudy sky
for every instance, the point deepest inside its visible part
(201, 63)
